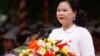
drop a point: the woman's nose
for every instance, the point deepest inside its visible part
(60, 13)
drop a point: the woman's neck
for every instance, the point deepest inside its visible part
(65, 27)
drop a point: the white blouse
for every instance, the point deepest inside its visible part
(80, 40)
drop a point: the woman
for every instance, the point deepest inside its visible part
(70, 17)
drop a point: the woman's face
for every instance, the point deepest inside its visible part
(65, 14)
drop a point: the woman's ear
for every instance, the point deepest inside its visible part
(75, 12)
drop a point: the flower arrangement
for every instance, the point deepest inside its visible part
(46, 47)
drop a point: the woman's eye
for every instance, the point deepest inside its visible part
(64, 10)
(58, 10)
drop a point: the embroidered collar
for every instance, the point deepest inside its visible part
(71, 29)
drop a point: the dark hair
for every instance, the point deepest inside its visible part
(80, 18)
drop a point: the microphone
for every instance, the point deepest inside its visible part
(44, 33)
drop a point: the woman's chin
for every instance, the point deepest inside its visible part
(62, 22)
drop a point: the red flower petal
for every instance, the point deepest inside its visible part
(49, 53)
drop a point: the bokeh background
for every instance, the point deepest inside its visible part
(26, 17)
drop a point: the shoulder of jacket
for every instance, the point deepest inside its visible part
(83, 30)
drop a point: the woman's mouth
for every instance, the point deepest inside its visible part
(61, 18)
